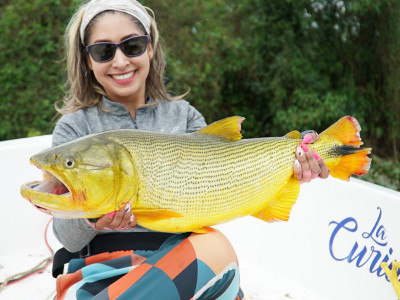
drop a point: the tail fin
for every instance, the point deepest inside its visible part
(353, 158)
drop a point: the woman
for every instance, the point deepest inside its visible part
(115, 73)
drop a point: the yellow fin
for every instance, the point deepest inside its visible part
(228, 128)
(346, 130)
(293, 135)
(280, 207)
(357, 163)
(151, 215)
(354, 160)
(392, 275)
(204, 230)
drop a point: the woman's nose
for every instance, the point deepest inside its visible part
(120, 59)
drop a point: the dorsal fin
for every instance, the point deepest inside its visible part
(228, 128)
(293, 135)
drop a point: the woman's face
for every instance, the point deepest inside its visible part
(123, 78)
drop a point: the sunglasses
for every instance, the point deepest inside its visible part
(133, 46)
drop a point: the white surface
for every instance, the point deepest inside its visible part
(299, 250)
(278, 261)
(22, 226)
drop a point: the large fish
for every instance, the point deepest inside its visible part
(186, 182)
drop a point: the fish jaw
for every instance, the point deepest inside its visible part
(58, 206)
(53, 196)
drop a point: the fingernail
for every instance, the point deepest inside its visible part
(317, 157)
(128, 207)
(111, 214)
(307, 138)
(305, 147)
(296, 163)
(300, 151)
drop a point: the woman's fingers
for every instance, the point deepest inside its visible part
(297, 169)
(117, 220)
(312, 161)
(132, 222)
(303, 172)
(102, 222)
(310, 137)
(324, 169)
(308, 164)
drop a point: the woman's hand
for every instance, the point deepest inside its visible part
(116, 220)
(308, 164)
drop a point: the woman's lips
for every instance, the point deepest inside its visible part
(124, 78)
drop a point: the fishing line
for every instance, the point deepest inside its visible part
(39, 268)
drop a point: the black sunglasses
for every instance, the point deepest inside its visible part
(133, 46)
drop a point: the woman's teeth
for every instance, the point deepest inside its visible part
(123, 76)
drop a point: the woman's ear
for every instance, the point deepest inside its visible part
(150, 51)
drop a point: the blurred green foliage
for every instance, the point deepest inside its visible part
(30, 75)
(282, 64)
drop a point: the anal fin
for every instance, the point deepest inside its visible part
(279, 208)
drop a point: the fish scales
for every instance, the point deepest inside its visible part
(183, 173)
(185, 182)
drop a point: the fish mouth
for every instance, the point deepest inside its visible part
(50, 194)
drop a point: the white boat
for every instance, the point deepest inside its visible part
(331, 248)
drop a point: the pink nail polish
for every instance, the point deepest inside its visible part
(111, 214)
(307, 139)
(317, 157)
(305, 147)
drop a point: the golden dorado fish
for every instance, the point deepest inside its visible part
(186, 182)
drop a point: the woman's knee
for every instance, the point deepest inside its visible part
(214, 249)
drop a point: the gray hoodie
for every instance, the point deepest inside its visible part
(167, 116)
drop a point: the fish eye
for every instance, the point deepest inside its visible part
(69, 163)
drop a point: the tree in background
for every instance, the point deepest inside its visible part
(282, 64)
(30, 72)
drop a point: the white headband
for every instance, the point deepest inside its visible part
(131, 7)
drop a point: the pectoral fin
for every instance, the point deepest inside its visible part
(279, 208)
(151, 214)
(204, 230)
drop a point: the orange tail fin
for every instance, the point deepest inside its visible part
(353, 158)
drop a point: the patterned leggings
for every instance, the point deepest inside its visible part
(172, 272)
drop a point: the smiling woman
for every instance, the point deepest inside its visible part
(122, 76)
(115, 74)
(116, 81)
